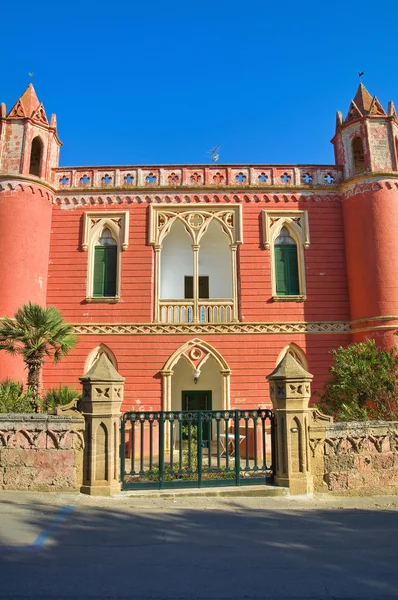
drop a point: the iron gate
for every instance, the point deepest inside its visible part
(197, 448)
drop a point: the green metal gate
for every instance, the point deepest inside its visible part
(196, 448)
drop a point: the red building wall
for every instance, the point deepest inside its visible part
(250, 356)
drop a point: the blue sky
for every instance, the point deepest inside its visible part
(162, 82)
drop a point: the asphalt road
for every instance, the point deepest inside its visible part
(66, 546)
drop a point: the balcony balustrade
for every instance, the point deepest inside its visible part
(206, 311)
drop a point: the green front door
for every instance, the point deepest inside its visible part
(198, 400)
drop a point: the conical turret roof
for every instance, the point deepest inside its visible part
(363, 99)
(29, 106)
(364, 105)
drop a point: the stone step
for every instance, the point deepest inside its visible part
(246, 491)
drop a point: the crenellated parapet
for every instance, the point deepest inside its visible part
(198, 177)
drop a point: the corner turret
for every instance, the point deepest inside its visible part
(29, 144)
(366, 141)
(29, 150)
(366, 144)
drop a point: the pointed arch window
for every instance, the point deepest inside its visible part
(286, 265)
(105, 238)
(358, 155)
(36, 154)
(286, 236)
(105, 266)
(195, 262)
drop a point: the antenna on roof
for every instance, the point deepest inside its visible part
(214, 153)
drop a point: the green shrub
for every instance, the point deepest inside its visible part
(13, 399)
(60, 396)
(363, 384)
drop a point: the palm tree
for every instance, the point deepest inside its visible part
(36, 333)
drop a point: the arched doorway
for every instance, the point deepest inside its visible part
(196, 370)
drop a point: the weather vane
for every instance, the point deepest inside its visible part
(360, 73)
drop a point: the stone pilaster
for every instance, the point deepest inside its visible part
(102, 397)
(290, 387)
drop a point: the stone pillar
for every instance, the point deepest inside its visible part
(290, 387)
(102, 397)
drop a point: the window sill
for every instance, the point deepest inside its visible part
(103, 299)
(300, 298)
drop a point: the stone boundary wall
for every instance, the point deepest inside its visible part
(41, 452)
(357, 458)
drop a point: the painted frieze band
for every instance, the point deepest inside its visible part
(214, 328)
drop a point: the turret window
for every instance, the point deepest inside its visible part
(358, 154)
(286, 265)
(105, 266)
(36, 154)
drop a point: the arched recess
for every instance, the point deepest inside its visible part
(297, 353)
(196, 353)
(36, 156)
(358, 155)
(296, 447)
(101, 453)
(96, 353)
(215, 263)
(176, 262)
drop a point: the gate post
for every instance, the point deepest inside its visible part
(100, 404)
(290, 388)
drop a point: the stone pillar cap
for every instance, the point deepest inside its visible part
(289, 368)
(102, 370)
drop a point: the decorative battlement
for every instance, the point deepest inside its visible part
(198, 176)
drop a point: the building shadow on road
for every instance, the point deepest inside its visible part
(231, 551)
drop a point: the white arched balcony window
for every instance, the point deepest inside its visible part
(195, 263)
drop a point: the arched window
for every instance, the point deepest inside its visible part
(36, 153)
(286, 265)
(358, 154)
(105, 266)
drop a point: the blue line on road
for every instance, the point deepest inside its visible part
(41, 539)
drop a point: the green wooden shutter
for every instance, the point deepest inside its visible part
(286, 271)
(105, 270)
(110, 271)
(280, 271)
(293, 271)
(99, 271)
